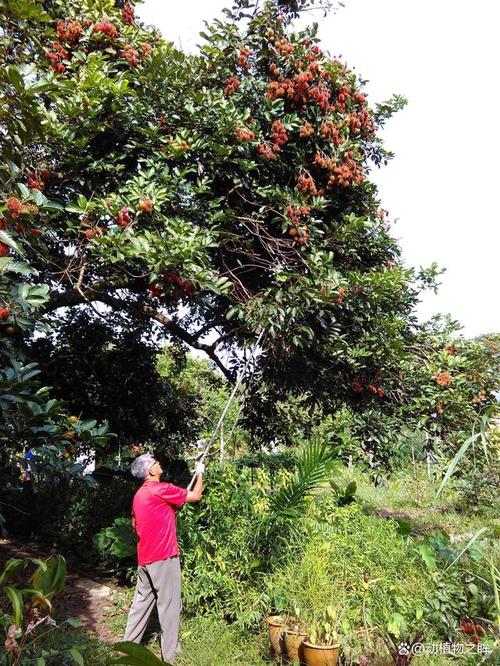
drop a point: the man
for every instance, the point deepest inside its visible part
(159, 571)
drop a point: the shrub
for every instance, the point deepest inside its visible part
(343, 553)
(217, 540)
(68, 515)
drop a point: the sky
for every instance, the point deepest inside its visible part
(440, 188)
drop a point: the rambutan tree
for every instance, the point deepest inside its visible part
(215, 194)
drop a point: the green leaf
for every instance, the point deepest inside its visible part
(51, 581)
(7, 240)
(456, 460)
(77, 657)
(427, 554)
(16, 599)
(469, 544)
(136, 655)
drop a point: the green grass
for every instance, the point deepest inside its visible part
(209, 641)
(415, 495)
(206, 641)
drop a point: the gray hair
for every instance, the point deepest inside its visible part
(141, 466)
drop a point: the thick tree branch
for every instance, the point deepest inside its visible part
(99, 291)
(146, 311)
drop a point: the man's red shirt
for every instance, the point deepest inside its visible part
(153, 510)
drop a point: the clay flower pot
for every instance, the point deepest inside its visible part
(293, 643)
(320, 655)
(276, 628)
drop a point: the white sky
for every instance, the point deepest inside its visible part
(443, 55)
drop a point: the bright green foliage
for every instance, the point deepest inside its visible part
(200, 394)
(28, 414)
(134, 655)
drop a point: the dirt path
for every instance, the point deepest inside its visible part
(82, 598)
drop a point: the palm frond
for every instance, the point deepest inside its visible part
(313, 468)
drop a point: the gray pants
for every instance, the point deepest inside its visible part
(160, 583)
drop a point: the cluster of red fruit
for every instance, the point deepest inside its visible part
(243, 58)
(469, 628)
(56, 57)
(346, 173)
(321, 95)
(130, 54)
(4, 250)
(232, 85)
(94, 232)
(145, 205)
(128, 13)
(330, 131)
(298, 89)
(299, 234)
(36, 181)
(362, 121)
(307, 186)
(451, 350)
(278, 135)
(106, 28)
(284, 48)
(4, 313)
(16, 208)
(266, 151)
(306, 130)
(295, 213)
(69, 31)
(479, 397)
(341, 294)
(244, 134)
(298, 230)
(182, 287)
(343, 95)
(443, 378)
(358, 387)
(122, 218)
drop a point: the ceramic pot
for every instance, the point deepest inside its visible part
(293, 643)
(320, 655)
(276, 628)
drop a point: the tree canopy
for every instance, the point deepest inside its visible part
(205, 197)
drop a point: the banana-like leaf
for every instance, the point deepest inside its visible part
(10, 566)
(16, 599)
(136, 655)
(50, 581)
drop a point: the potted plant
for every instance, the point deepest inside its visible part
(321, 647)
(295, 634)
